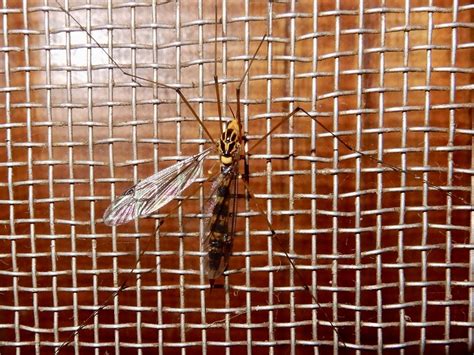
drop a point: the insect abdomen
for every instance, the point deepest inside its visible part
(219, 245)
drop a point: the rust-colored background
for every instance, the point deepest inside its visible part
(386, 254)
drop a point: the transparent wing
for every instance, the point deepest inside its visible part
(220, 226)
(155, 191)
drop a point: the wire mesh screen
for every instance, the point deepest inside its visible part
(369, 242)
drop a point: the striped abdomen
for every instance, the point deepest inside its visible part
(219, 241)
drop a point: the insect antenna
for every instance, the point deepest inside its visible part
(231, 111)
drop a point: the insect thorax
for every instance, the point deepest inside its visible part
(229, 143)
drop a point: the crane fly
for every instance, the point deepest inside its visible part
(158, 190)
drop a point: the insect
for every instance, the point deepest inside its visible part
(158, 190)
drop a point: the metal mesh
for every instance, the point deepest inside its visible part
(383, 251)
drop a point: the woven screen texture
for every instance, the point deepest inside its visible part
(369, 245)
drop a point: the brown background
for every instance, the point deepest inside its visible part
(386, 253)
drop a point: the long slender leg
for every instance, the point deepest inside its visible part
(131, 273)
(237, 90)
(362, 154)
(216, 80)
(135, 77)
(218, 98)
(251, 61)
(290, 260)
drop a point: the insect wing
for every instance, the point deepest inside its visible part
(155, 191)
(220, 226)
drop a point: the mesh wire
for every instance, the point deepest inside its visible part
(384, 254)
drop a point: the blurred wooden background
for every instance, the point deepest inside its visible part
(389, 260)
